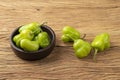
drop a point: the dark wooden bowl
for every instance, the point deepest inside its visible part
(36, 55)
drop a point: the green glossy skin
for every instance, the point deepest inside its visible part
(34, 27)
(82, 48)
(28, 45)
(17, 40)
(43, 39)
(25, 34)
(70, 34)
(65, 38)
(31, 37)
(101, 42)
(16, 37)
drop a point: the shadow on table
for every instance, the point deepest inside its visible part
(53, 57)
(58, 55)
(100, 57)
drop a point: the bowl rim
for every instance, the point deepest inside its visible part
(33, 52)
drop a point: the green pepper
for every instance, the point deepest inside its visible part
(31, 37)
(70, 34)
(81, 48)
(100, 43)
(65, 38)
(29, 45)
(43, 39)
(34, 27)
(25, 34)
(17, 38)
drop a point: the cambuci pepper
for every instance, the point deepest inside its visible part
(31, 37)
(29, 45)
(43, 39)
(82, 48)
(34, 27)
(100, 43)
(25, 34)
(69, 34)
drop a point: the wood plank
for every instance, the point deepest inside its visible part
(88, 17)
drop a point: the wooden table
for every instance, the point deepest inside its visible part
(90, 17)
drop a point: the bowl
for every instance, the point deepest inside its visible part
(36, 55)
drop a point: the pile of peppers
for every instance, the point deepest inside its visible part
(81, 47)
(31, 37)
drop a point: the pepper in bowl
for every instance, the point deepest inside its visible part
(33, 41)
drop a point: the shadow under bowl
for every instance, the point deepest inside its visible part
(35, 55)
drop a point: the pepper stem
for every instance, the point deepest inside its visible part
(83, 36)
(95, 53)
(44, 23)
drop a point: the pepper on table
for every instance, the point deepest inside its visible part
(100, 43)
(69, 34)
(82, 48)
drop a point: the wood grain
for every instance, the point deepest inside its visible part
(90, 17)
